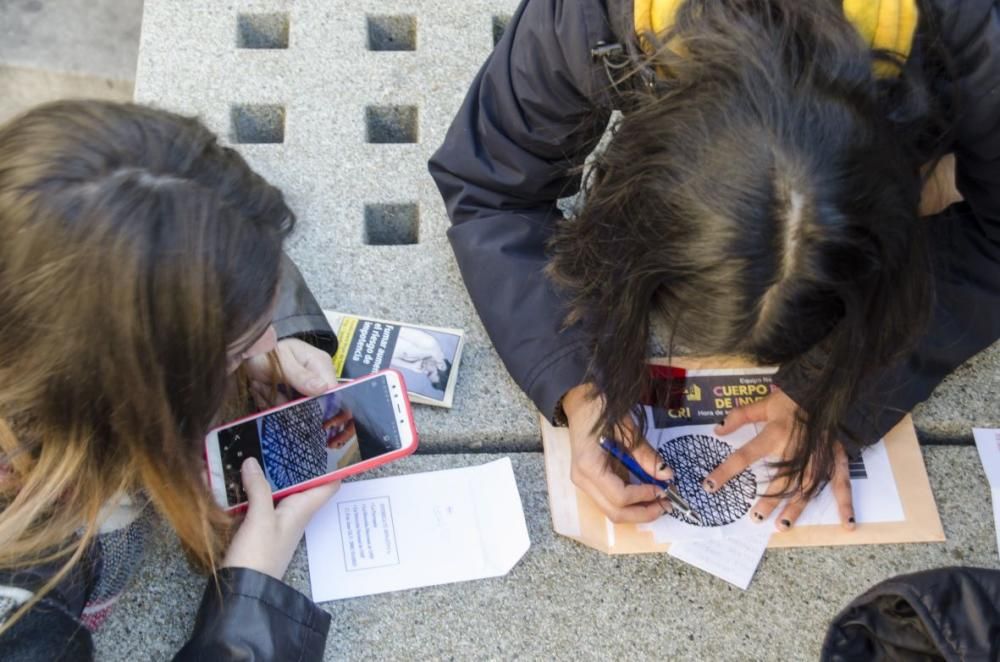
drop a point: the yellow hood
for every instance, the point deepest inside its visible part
(884, 24)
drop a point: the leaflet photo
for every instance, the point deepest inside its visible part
(427, 357)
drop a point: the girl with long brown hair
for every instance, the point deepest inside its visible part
(142, 287)
(759, 195)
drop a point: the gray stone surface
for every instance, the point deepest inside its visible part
(967, 398)
(66, 49)
(92, 38)
(565, 601)
(327, 79)
(562, 601)
(338, 95)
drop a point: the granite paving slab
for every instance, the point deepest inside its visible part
(967, 398)
(341, 104)
(566, 601)
(354, 130)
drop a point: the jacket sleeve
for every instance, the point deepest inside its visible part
(297, 314)
(527, 122)
(51, 629)
(250, 616)
(966, 244)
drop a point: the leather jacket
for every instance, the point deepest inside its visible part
(943, 614)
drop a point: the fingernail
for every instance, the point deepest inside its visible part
(318, 384)
(251, 466)
(757, 516)
(786, 524)
(708, 485)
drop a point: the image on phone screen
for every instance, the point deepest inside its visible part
(312, 438)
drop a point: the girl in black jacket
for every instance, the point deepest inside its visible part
(760, 196)
(141, 266)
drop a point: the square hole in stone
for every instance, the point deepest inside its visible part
(392, 224)
(392, 33)
(262, 31)
(258, 123)
(391, 124)
(500, 23)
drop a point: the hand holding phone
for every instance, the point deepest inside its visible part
(312, 441)
(269, 534)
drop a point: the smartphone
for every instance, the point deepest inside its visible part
(352, 428)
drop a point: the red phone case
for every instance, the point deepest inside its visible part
(340, 473)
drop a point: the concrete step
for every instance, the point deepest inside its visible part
(60, 49)
(566, 601)
(91, 38)
(22, 88)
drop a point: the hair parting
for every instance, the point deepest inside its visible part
(761, 200)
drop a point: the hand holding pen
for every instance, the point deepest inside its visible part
(593, 470)
(670, 492)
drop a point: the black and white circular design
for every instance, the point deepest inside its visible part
(693, 457)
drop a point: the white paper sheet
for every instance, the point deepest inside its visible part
(734, 560)
(403, 532)
(733, 545)
(873, 491)
(988, 444)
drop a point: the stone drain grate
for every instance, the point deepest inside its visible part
(392, 224)
(258, 123)
(392, 33)
(262, 31)
(385, 224)
(391, 124)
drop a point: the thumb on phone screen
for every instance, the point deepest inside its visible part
(258, 491)
(269, 535)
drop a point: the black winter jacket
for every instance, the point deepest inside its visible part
(249, 616)
(948, 614)
(508, 156)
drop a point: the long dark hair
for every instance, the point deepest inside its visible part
(761, 199)
(136, 253)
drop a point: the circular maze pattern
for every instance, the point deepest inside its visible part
(693, 457)
(293, 443)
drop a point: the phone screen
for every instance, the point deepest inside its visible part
(312, 438)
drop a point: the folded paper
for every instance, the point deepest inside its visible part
(403, 532)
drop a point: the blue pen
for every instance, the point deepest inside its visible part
(668, 488)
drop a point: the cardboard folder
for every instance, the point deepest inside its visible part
(575, 515)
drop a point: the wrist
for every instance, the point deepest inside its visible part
(578, 398)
